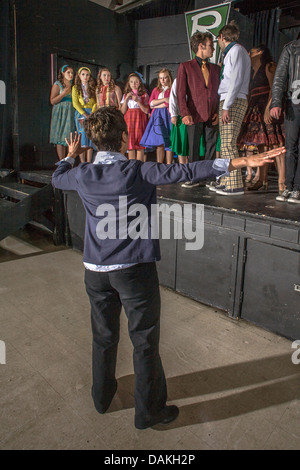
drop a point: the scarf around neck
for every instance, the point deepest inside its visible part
(227, 49)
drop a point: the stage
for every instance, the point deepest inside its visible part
(249, 265)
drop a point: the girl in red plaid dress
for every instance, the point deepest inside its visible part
(135, 107)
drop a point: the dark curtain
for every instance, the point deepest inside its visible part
(5, 76)
(266, 30)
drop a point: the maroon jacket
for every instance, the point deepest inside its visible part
(194, 98)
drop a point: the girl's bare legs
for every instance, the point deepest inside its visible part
(262, 181)
(61, 151)
(263, 174)
(263, 171)
(89, 155)
(257, 176)
(182, 159)
(131, 154)
(140, 155)
(249, 175)
(169, 157)
(160, 154)
(249, 178)
(280, 166)
(82, 157)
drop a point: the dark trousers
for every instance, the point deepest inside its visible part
(210, 133)
(137, 289)
(292, 145)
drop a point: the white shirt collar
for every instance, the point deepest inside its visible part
(106, 157)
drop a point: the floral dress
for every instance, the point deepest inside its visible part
(63, 119)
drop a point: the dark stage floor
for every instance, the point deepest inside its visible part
(260, 203)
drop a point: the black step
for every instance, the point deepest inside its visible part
(17, 190)
(4, 205)
(44, 176)
(30, 203)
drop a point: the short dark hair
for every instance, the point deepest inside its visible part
(266, 57)
(199, 38)
(105, 128)
(230, 32)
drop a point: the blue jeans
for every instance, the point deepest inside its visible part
(292, 145)
(137, 289)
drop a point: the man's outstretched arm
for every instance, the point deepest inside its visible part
(160, 173)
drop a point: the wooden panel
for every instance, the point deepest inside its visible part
(270, 298)
(209, 274)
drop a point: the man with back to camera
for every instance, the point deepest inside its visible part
(286, 85)
(197, 93)
(233, 91)
(122, 270)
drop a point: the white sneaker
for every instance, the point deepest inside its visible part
(284, 196)
(189, 184)
(230, 192)
(217, 187)
(294, 197)
(212, 185)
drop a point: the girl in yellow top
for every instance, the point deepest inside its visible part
(84, 102)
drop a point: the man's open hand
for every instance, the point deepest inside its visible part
(254, 161)
(74, 145)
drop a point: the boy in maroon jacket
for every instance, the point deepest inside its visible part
(197, 91)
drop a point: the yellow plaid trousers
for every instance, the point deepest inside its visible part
(229, 134)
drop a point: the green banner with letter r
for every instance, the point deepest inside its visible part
(211, 20)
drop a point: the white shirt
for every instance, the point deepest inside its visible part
(132, 104)
(173, 103)
(160, 96)
(236, 73)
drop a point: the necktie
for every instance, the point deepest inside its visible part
(205, 72)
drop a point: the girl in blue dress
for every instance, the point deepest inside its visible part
(157, 133)
(63, 112)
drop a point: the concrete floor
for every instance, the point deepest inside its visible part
(235, 384)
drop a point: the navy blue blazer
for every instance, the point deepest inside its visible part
(100, 188)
